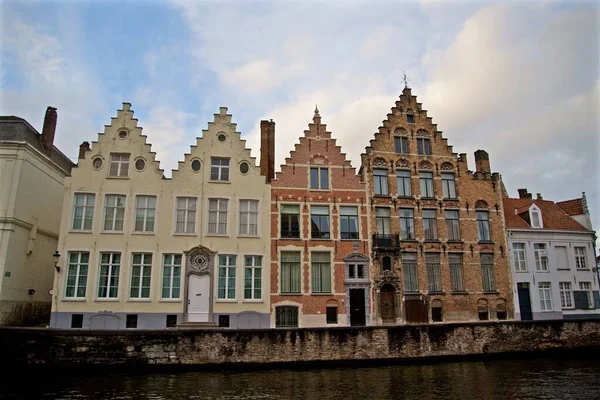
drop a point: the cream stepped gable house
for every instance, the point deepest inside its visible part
(142, 251)
(552, 260)
(30, 166)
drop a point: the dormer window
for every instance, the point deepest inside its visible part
(535, 217)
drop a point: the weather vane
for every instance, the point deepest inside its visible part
(406, 80)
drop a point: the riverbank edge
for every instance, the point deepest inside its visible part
(304, 348)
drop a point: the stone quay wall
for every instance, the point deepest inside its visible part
(51, 347)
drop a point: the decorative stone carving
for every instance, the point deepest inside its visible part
(425, 165)
(199, 260)
(447, 166)
(379, 162)
(480, 204)
(402, 163)
(422, 133)
(388, 277)
(318, 161)
(400, 132)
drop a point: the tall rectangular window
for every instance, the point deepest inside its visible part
(290, 272)
(403, 180)
(290, 221)
(119, 164)
(407, 224)
(433, 272)
(319, 178)
(426, 182)
(535, 219)
(382, 220)
(286, 317)
(483, 226)
(519, 257)
(249, 217)
(114, 212)
(409, 264)
(430, 224)
(401, 144)
(320, 272)
(423, 146)
(226, 288)
(587, 288)
(77, 274)
(319, 217)
(380, 182)
(217, 216)
(83, 211)
(448, 186)
(487, 272)
(545, 296)
(141, 271)
(186, 215)
(110, 265)
(456, 272)
(349, 222)
(541, 257)
(252, 277)
(171, 283)
(580, 260)
(145, 210)
(410, 118)
(452, 225)
(219, 169)
(566, 295)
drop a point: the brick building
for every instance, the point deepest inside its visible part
(439, 246)
(319, 233)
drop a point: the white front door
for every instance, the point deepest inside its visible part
(198, 298)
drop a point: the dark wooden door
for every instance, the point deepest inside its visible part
(387, 304)
(416, 311)
(524, 301)
(357, 307)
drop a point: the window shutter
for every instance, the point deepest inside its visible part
(581, 300)
(596, 298)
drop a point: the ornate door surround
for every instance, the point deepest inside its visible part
(199, 261)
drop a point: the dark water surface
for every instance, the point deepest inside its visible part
(541, 378)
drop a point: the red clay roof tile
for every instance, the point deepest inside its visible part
(571, 207)
(553, 216)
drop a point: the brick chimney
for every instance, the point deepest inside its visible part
(523, 194)
(267, 149)
(538, 196)
(49, 129)
(482, 161)
(83, 148)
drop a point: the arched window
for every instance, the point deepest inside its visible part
(387, 263)
(436, 311)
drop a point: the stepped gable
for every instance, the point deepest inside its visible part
(122, 135)
(317, 148)
(209, 145)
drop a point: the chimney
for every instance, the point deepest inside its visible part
(49, 129)
(83, 148)
(538, 196)
(267, 149)
(523, 194)
(482, 161)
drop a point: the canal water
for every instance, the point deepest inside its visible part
(539, 378)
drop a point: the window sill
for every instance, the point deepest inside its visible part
(88, 231)
(565, 269)
(107, 300)
(291, 294)
(140, 300)
(74, 299)
(321, 294)
(249, 236)
(382, 196)
(144, 233)
(460, 293)
(450, 199)
(582, 269)
(436, 293)
(542, 272)
(521, 272)
(313, 238)
(211, 181)
(226, 301)
(253, 301)
(491, 292)
(112, 232)
(406, 197)
(169, 301)
(290, 238)
(318, 190)
(432, 241)
(485, 242)
(185, 234)
(455, 241)
(428, 198)
(409, 240)
(216, 235)
(116, 177)
(352, 239)
(412, 293)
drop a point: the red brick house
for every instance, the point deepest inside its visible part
(319, 233)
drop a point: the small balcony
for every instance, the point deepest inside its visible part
(386, 242)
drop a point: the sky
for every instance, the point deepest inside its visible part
(518, 79)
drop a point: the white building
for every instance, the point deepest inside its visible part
(32, 171)
(142, 251)
(552, 261)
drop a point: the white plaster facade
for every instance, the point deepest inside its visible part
(561, 271)
(180, 242)
(31, 194)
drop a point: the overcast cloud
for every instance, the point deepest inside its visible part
(519, 79)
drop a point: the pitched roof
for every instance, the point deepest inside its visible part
(553, 217)
(572, 207)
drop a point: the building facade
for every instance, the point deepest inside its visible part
(320, 266)
(30, 164)
(142, 251)
(439, 246)
(552, 259)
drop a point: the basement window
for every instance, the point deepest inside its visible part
(77, 321)
(223, 321)
(332, 315)
(131, 321)
(171, 321)
(436, 314)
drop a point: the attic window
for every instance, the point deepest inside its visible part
(535, 217)
(222, 137)
(410, 118)
(123, 134)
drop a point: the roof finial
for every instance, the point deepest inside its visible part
(405, 80)
(316, 111)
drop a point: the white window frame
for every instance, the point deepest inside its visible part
(426, 186)
(580, 259)
(246, 229)
(172, 267)
(541, 257)
(230, 272)
(534, 210)
(519, 257)
(145, 210)
(121, 160)
(566, 295)
(145, 266)
(112, 226)
(220, 169)
(253, 265)
(587, 287)
(78, 264)
(401, 181)
(380, 182)
(110, 282)
(219, 214)
(85, 207)
(448, 185)
(187, 218)
(545, 292)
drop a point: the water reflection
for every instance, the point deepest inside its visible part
(502, 379)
